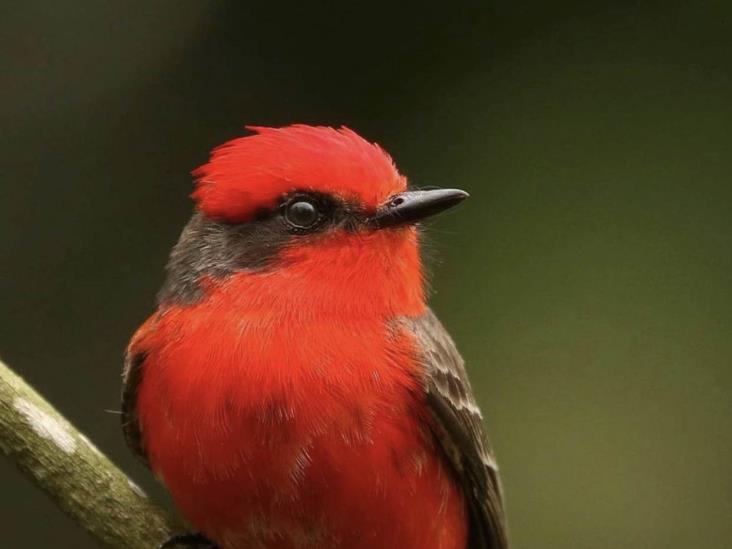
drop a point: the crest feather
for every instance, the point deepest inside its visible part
(251, 173)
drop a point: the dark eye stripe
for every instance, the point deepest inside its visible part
(331, 212)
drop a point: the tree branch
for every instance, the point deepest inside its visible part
(70, 469)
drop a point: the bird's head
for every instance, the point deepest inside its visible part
(322, 206)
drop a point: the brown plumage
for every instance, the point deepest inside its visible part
(293, 389)
(458, 427)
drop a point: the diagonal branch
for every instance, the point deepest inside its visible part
(70, 469)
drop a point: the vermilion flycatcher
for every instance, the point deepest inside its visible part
(293, 389)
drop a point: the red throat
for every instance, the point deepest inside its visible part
(284, 408)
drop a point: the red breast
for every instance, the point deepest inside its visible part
(281, 405)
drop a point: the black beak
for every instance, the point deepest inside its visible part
(412, 206)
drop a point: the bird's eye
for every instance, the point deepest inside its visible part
(301, 213)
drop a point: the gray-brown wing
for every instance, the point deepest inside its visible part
(458, 427)
(131, 376)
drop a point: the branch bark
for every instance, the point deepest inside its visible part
(73, 472)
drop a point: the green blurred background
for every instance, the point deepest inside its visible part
(588, 281)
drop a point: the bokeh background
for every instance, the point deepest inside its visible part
(588, 281)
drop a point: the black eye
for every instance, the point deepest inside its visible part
(301, 213)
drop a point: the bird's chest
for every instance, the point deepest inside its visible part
(292, 438)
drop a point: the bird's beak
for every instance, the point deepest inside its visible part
(412, 206)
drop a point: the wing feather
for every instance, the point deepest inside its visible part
(458, 428)
(131, 377)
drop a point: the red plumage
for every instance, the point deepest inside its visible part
(252, 172)
(284, 406)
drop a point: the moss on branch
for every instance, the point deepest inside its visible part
(73, 472)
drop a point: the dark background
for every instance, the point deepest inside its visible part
(588, 281)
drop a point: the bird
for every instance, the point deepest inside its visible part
(293, 389)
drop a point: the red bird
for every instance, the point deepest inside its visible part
(293, 390)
